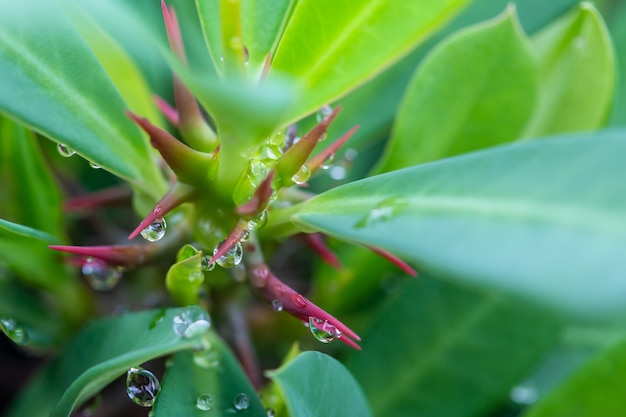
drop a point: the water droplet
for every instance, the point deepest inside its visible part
(323, 331)
(142, 386)
(155, 231)
(10, 328)
(231, 258)
(299, 300)
(206, 264)
(94, 165)
(337, 173)
(350, 154)
(258, 221)
(100, 275)
(207, 359)
(383, 211)
(277, 305)
(204, 402)
(302, 176)
(328, 163)
(323, 113)
(524, 395)
(191, 324)
(65, 151)
(270, 412)
(245, 236)
(241, 401)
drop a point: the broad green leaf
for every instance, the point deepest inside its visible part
(22, 230)
(596, 389)
(29, 193)
(476, 89)
(541, 220)
(262, 23)
(576, 72)
(330, 47)
(433, 340)
(314, 384)
(617, 26)
(53, 84)
(105, 350)
(212, 378)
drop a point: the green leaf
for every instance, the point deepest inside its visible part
(22, 230)
(54, 85)
(102, 352)
(314, 384)
(617, 22)
(433, 340)
(215, 373)
(358, 40)
(598, 389)
(476, 89)
(541, 220)
(184, 279)
(577, 74)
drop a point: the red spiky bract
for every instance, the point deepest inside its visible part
(318, 160)
(123, 255)
(168, 111)
(394, 260)
(315, 241)
(260, 199)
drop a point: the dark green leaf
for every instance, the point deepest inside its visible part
(434, 340)
(476, 89)
(541, 220)
(314, 384)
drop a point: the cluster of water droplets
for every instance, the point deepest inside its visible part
(323, 331)
(142, 386)
(66, 152)
(17, 334)
(155, 231)
(100, 275)
(191, 323)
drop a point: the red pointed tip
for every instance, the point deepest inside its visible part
(233, 238)
(106, 197)
(266, 67)
(315, 241)
(126, 255)
(173, 30)
(394, 260)
(260, 199)
(318, 160)
(168, 111)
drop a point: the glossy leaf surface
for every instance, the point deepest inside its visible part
(509, 218)
(476, 89)
(316, 384)
(434, 340)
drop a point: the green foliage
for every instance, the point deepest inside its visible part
(518, 242)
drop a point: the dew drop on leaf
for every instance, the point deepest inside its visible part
(206, 264)
(323, 113)
(206, 359)
(302, 176)
(277, 305)
(204, 402)
(155, 231)
(65, 151)
(270, 412)
(142, 386)
(191, 324)
(10, 328)
(258, 221)
(231, 258)
(94, 165)
(323, 331)
(328, 163)
(100, 275)
(241, 401)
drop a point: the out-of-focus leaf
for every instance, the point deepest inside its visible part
(212, 378)
(617, 26)
(98, 355)
(184, 279)
(22, 230)
(53, 84)
(576, 72)
(596, 389)
(330, 47)
(475, 90)
(433, 340)
(314, 384)
(509, 218)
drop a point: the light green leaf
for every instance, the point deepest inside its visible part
(433, 340)
(330, 47)
(22, 230)
(541, 220)
(314, 384)
(214, 374)
(596, 389)
(476, 89)
(54, 85)
(617, 25)
(577, 74)
(98, 355)
(184, 279)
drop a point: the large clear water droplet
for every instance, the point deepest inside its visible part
(241, 401)
(155, 231)
(204, 402)
(191, 324)
(323, 331)
(231, 258)
(142, 386)
(100, 275)
(302, 176)
(65, 151)
(323, 113)
(258, 221)
(277, 305)
(206, 264)
(10, 328)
